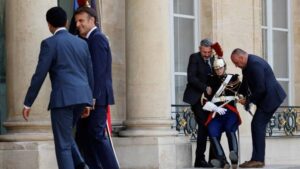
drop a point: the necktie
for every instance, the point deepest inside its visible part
(208, 69)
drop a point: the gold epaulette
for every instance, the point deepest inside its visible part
(233, 84)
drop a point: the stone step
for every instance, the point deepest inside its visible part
(270, 167)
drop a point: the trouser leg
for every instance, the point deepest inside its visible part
(201, 142)
(76, 154)
(258, 130)
(231, 125)
(233, 147)
(202, 134)
(62, 124)
(100, 149)
(219, 152)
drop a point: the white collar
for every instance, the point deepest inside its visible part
(58, 29)
(88, 35)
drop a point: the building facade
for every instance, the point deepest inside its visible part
(151, 42)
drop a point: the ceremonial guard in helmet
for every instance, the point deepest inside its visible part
(224, 116)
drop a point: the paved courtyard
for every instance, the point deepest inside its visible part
(273, 167)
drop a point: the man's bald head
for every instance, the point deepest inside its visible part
(239, 57)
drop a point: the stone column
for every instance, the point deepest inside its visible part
(296, 49)
(148, 69)
(31, 141)
(148, 122)
(112, 18)
(26, 27)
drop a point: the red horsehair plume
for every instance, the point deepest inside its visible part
(216, 46)
(82, 3)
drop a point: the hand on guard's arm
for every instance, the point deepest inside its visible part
(242, 101)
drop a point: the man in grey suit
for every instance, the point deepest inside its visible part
(68, 61)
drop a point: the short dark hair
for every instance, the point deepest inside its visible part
(56, 16)
(90, 11)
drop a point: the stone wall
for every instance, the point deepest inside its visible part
(113, 25)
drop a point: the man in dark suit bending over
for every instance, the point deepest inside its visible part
(266, 96)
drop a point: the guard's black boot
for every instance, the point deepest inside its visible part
(205, 164)
(233, 147)
(202, 163)
(220, 161)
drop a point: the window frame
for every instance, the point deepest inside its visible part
(196, 19)
(269, 46)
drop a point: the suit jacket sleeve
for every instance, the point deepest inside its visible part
(193, 79)
(89, 68)
(256, 81)
(43, 66)
(243, 88)
(212, 82)
(100, 52)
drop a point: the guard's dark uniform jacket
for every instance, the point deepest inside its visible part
(232, 89)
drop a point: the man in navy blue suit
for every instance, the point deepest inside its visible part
(266, 96)
(90, 134)
(68, 61)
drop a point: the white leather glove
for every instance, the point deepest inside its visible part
(220, 110)
(209, 106)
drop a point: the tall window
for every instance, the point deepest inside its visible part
(3, 105)
(185, 28)
(276, 41)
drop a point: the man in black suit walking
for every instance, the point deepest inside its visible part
(198, 68)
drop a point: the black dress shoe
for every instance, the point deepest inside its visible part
(204, 164)
(82, 166)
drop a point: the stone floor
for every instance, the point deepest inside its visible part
(273, 167)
